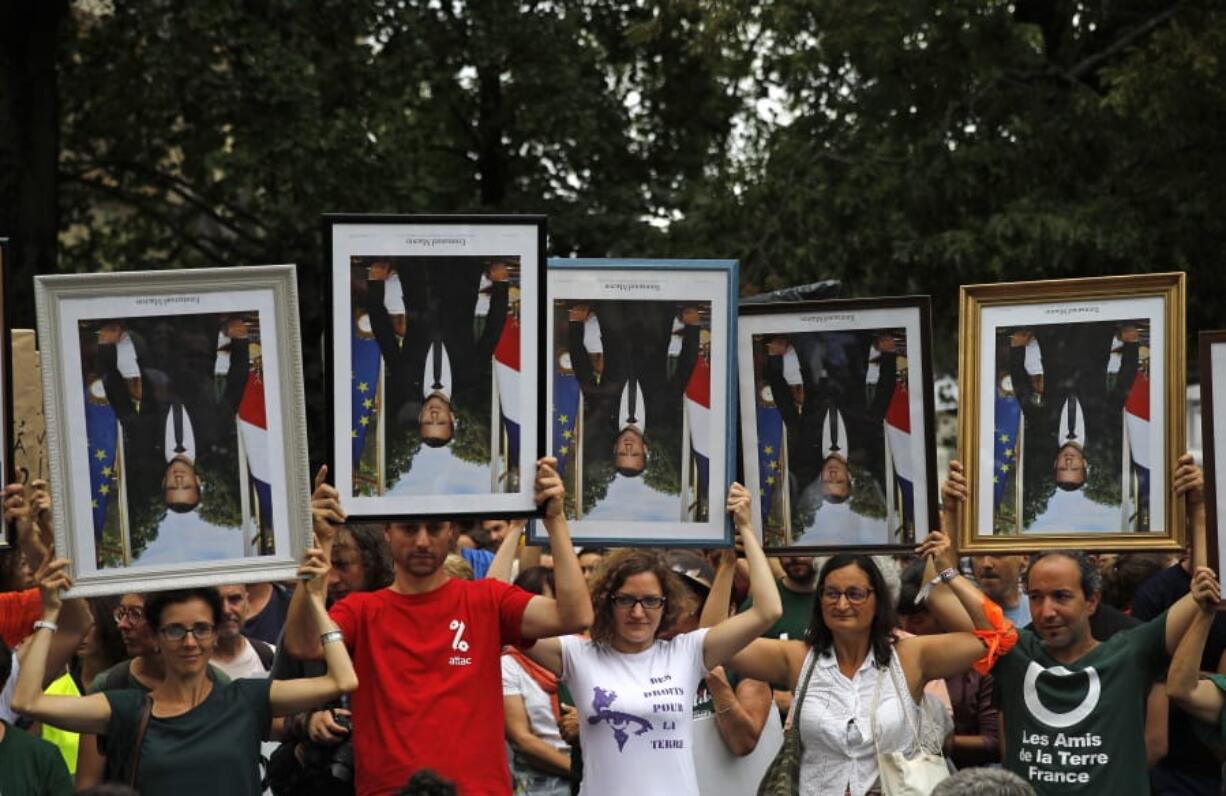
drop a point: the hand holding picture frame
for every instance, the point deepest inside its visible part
(1072, 413)
(837, 423)
(1212, 346)
(640, 398)
(176, 426)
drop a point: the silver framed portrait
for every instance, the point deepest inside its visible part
(176, 426)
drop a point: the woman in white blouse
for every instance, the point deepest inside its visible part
(850, 645)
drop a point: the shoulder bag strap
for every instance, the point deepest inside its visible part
(146, 711)
(906, 703)
(872, 710)
(798, 697)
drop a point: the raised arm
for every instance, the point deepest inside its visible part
(1199, 697)
(500, 567)
(725, 639)
(88, 714)
(741, 712)
(300, 635)
(773, 660)
(570, 611)
(719, 599)
(291, 696)
(1188, 483)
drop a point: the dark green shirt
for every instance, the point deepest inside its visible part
(797, 613)
(212, 749)
(1079, 728)
(30, 766)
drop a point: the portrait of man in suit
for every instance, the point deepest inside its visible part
(436, 323)
(832, 391)
(441, 359)
(633, 360)
(170, 409)
(638, 384)
(1071, 382)
(171, 475)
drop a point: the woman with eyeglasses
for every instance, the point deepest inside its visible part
(634, 691)
(189, 734)
(851, 660)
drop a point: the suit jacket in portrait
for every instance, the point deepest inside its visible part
(440, 300)
(636, 337)
(845, 388)
(176, 358)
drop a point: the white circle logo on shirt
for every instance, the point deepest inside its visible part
(1050, 717)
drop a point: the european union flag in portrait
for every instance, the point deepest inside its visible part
(565, 417)
(1004, 461)
(101, 427)
(365, 366)
(770, 451)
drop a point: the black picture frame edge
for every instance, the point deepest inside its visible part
(732, 270)
(923, 304)
(330, 220)
(1206, 341)
(8, 535)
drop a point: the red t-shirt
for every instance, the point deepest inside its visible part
(18, 612)
(431, 683)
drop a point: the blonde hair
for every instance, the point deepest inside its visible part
(457, 567)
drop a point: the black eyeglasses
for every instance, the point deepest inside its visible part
(855, 595)
(203, 631)
(134, 614)
(627, 602)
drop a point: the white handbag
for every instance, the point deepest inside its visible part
(900, 775)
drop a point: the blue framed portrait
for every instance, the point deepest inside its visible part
(641, 398)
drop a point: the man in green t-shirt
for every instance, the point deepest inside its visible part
(29, 766)
(1074, 707)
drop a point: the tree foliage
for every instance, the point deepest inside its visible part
(900, 145)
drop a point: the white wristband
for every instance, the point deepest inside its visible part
(44, 624)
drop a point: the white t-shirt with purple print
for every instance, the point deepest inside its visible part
(636, 714)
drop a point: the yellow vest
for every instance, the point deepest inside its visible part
(67, 742)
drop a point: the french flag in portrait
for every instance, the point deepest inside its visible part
(253, 425)
(898, 437)
(698, 410)
(101, 429)
(506, 369)
(1136, 415)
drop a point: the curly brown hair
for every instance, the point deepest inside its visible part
(611, 575)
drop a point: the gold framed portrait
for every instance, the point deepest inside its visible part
(1072, 405)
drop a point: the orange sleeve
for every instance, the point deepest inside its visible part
(18, 612)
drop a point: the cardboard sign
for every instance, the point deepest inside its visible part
(29, 430)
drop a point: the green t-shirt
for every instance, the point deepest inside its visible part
(213, 748)
(1080, 728)
(797, 613)
(30, 766)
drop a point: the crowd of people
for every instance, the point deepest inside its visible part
(437, 657)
